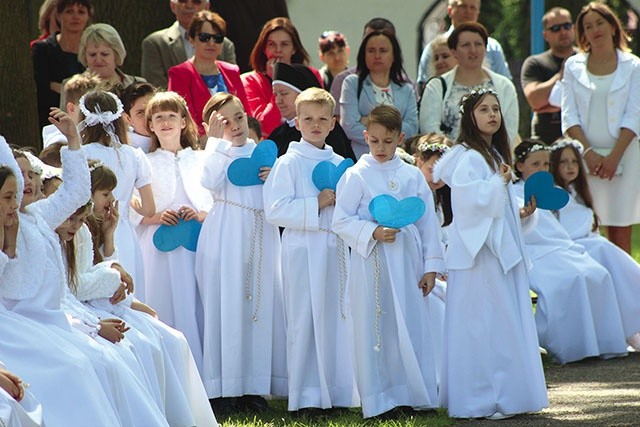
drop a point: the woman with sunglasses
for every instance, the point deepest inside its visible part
(203, 75)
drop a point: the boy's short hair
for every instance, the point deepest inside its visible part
(254, 125)
(318, 96)
(80, 84)
(387, 116)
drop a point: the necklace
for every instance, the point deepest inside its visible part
(392, 183)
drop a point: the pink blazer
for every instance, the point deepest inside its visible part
(185, 80)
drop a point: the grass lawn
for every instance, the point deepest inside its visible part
(278, 416)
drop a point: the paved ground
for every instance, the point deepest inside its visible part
(589, 393)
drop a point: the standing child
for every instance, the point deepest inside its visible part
(104, 137)
(391, 270)
(238, 273)
(491, 363)
(581, 222)
(313, 264)
(175, 179)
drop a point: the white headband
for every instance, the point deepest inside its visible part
(106, 118)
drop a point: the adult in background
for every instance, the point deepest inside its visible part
(442, 59)
(460, 12)
(333, 50)
(541, 72)
(56, 57)
(165, 48)
(278, 41)
(379, 80)
(47, 20)
(601, 109)
(440, 105)
(203, 75)
(101, 50)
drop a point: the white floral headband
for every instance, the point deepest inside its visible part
(565, 142)
(534, 148)
(95, 166)
(106, 118)
(434, 147)
(477, 91)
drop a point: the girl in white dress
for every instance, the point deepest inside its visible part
(581, 223)
(391, 271)
(238, 271)
(176, 169)
(104, 137)
(491, 363)
(577, 313)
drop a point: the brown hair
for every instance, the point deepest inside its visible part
(620, 38)
(171, 101)
(80, 84)
(387, 116)
(216, 102)
(212, 18)
(258, 59)
(70, 251)
(103, 101)
(471, 27)
(330, 39)
(554, 11)
(102, 178)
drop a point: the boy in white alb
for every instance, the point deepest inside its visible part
(314, 264)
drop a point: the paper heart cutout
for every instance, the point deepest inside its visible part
(244, 172)
(391, 212)
(170, 237)
(548, 196)
(326, 174)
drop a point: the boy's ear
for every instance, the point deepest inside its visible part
(400, 138)
(333, 122)
(71, 108)
(366, 136)
(519, 166)
(297, 122)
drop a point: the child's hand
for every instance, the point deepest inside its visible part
(169, 217)
(66, 125)
(119, 295)
(11, 384)
(113, 329)
(326, 197)
(264, 173)
(385, 234)
(125, 277)
(9, 233)
(505, 172)
(427, 283)
(529, 208)
(143, 308)
(110, 219)
(216, 125)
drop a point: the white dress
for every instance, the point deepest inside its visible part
(314, 272)
(239, 282)
(393, 343)
(577, 313)
(133, 171)
(26, 413)
(38, 293)
(182, 392)
(491, 361)
(577, 219)
(172, 289)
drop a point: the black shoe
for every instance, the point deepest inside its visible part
(223, 406)
(309, 413)
(252, 403)
(397, 412)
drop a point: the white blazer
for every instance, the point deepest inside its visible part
(623, 100)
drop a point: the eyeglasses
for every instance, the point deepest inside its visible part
(205, 37)
(556, 28)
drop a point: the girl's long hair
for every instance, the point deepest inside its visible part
(580, 184)
(499, 151)
(70, 252)
(102, 178)
(101, 101)
(171, 101)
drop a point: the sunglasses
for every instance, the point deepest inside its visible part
(556, 28)
(205, 37)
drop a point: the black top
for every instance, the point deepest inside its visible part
(540, 68)
(337, 139)
(51, 64)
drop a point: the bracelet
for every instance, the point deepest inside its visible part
(585, 152)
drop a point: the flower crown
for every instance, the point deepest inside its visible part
(106, 118)
(477, 91)
(534, 148)
(565, 142)
(95, 166)
(434, 147)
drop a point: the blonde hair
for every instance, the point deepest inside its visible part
(317, 96)
(80, 84)
(171, 101)
(101, 34)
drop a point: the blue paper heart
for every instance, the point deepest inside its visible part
(185, 234)
(391, 212)
(548, 197)
(326, 174)
(244, 172)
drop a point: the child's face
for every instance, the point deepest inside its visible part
(535, 162)
(315, 121)
(9, 200)
(28, 193)
(426, 167)
(569, 166)
(382, 142)
(102, 202)
(487, 116)
(70, 227)
(137, 118)
(285, 100)
(167, 125)
(337, 58)
(237, 129)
